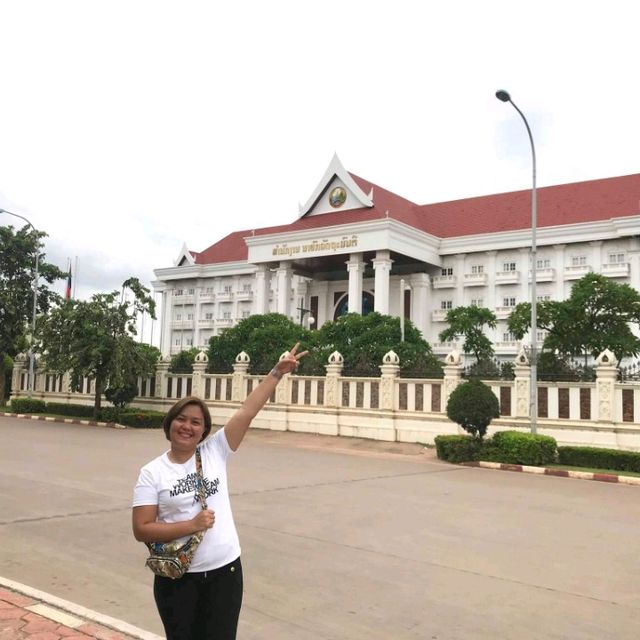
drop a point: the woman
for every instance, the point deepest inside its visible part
(205, 602)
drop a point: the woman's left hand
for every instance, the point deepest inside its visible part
(290, 363)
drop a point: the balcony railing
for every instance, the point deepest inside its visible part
(615, 269)
(576, 272)
(444, 282)
(224, 296)
(546, 274)
(439, 315)
(507, 277)
(503, 312)
(182, 324)
(244, 295)
(475, 279)
(207, 323)
(185, 299)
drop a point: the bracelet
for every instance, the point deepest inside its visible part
(275, 373)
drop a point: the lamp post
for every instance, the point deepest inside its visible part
(303, 312)
(533, 412)
(30, 380)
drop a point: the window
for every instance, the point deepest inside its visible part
(246, 288)
(178, 292)
(246, 314)
(208, 291)
(178, 316)
(189, 342)
(208, 316)
(543, 263)
(509, 266)
(177, 342)
(227, 315)
(189, 316)
(227, 288)
(477, 302)
(447, 271)
(509, 302)
(541, 335)
(446, 304)
(545, 297)
(477, 268)
(578, 261)
(508, 337)
(616, 258)
(191, 291)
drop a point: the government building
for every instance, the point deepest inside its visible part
(356, 247)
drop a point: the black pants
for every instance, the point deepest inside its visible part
(201, 606)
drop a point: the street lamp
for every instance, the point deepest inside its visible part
(30, 380)
(505, 97)
(303, 312)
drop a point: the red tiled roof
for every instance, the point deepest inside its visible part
(557, 205)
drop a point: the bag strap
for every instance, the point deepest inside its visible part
(200, 490)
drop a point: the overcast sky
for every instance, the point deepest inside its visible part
(130, 127)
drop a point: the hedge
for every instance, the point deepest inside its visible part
(28, 405)
(515, 447)
(74, 410)
(506, 446)
(594, 458)
(142, 419)
(457, 448)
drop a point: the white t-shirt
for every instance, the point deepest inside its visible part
(172, 487)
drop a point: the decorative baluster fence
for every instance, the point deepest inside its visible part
(601, 413)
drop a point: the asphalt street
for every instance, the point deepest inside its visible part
(342, 539)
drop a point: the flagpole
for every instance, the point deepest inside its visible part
(75, 280)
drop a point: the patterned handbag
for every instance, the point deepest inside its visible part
(172, 559)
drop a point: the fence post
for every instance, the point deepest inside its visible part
(452, 375)
(522, 371)
(197, 379)
(331, 384)
(39, 375)
(238, 380)
(19, 367)
(162, 370)
(283, 390)
(606, 376)
(388, 373)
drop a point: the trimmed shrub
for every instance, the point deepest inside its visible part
(457, 448)
(110, 414)
(595, 458)
(514, 447)
(73, 410)
(28, 405)
(143, 419)
(473, 405)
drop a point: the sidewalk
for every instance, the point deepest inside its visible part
(29, 614)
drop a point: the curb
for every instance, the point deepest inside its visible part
(91, 423)
(87, 614)
(560, 473)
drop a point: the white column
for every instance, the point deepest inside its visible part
(525, 267)
(595, 259)
(320, 288)
(559, 266)
(490, 299)
(420, 302)
(355, 267)
(634, 269)
(165, 331)
(283, 278)
(302, 300)
(262, 281)
(382, 266)
(196, 317)
(458, 272)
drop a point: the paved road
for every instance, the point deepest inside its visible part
(349, 544)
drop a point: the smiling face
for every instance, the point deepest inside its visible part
(187, 428)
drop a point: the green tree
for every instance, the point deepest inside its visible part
(470, 323)
(596, 316)
(17, 262)
(183, 362)
(95, 338)
(123, 389)
(264, 338)
(473, 406)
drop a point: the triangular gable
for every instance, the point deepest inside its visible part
(185, 257)
(336, 191)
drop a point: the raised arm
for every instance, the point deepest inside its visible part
(239, 422)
